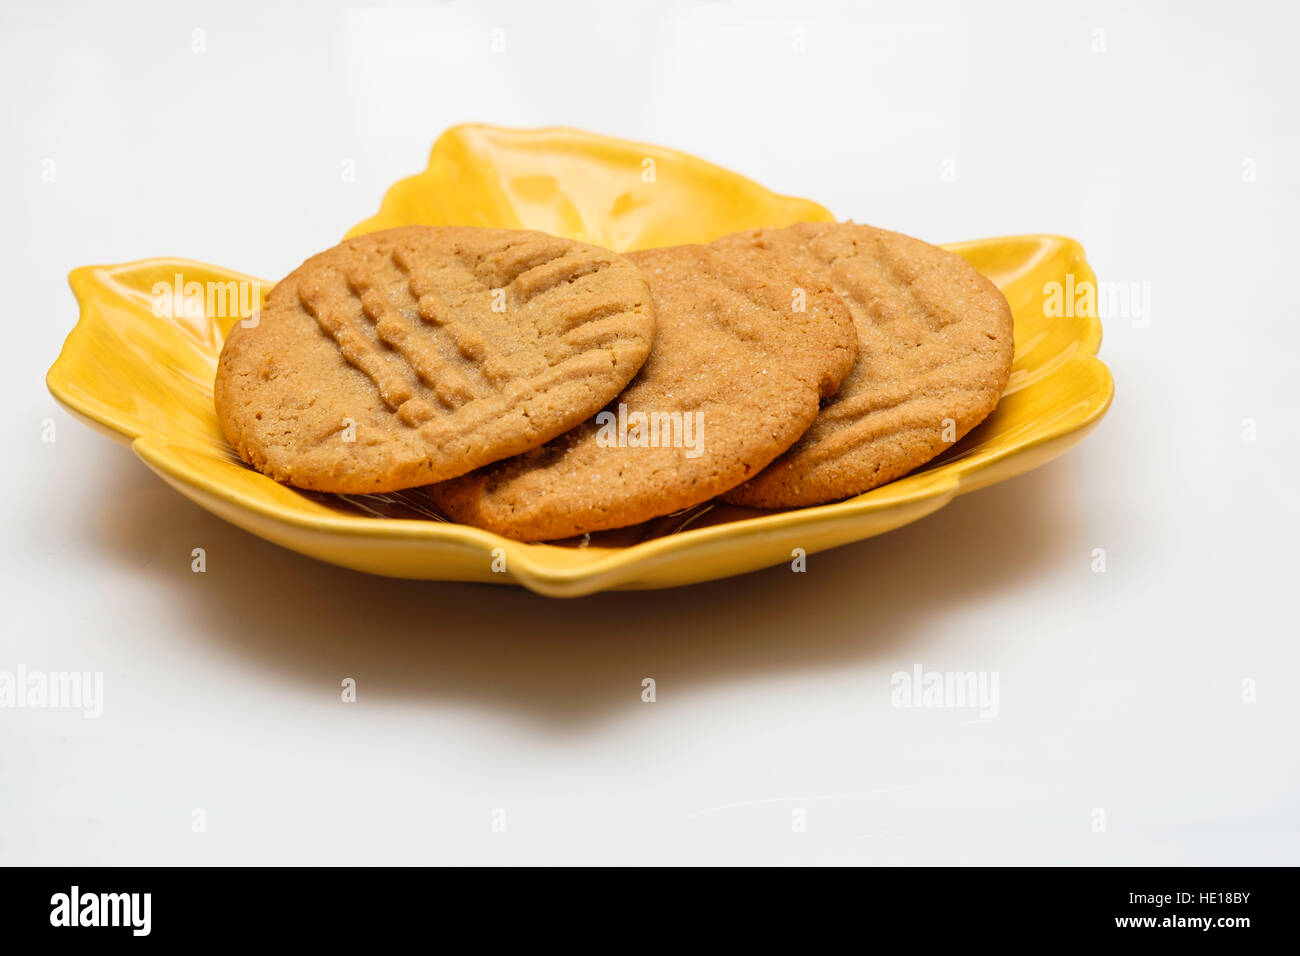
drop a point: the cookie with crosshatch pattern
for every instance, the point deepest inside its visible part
(935, 349)
(413, 355)
(746, 347)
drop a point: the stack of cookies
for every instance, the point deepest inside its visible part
(543, 388)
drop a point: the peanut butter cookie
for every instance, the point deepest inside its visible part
(746, 347)
(935, 350)
(412, 355)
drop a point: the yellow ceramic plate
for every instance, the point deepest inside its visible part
(140, 364)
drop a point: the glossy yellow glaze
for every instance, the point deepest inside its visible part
(146, 378)
(611, 192)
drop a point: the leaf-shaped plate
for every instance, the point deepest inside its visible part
(140, 365)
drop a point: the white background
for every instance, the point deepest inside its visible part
(1120, 692)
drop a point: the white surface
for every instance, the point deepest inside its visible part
(1120, 691)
